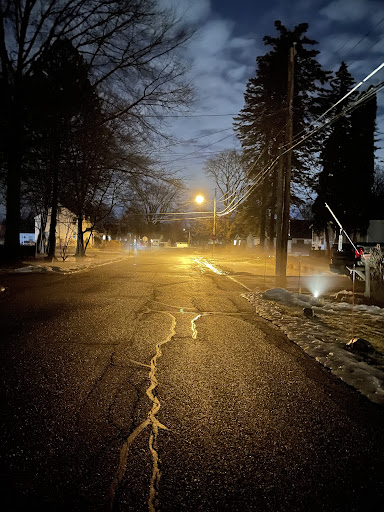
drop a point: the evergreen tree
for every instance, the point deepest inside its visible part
(347, 160)
(58, 89)
(377, 211)
(73, 158)
(335, 156)
(261, 124)
(359, 194)
(131, 48)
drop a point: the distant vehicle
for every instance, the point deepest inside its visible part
(368, 246)
(347, 257)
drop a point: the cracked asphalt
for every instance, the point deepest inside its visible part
(150, 384)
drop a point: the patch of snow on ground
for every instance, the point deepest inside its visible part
(61, 266)
(325, 335)
(43, 268)
(32, 268)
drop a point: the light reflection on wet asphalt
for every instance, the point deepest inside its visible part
(151, 420)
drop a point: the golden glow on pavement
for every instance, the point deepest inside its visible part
(193, 326)
(204, 263)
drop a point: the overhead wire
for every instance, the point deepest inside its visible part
(188, 218)
(269, 166)
(359, 42)
(354, 89)
(296, 141)
(234, 115)
(195, 138)
(194, 152)
(182, 116)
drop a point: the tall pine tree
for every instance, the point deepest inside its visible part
(362, 175)
(261, 124)
(347, 159)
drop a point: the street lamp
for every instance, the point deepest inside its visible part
(200, 199)
(214, 224)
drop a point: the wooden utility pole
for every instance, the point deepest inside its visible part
(279, 210)
(284, 179)
(214, 224)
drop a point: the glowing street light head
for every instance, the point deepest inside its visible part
(199, 199)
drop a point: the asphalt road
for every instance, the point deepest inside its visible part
(151, 385)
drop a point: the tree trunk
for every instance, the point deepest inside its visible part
(14, 136)
(12, 222)
(88, 240)
(40, 243)
(80, 239)
(54, 207)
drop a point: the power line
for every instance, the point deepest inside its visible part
(360, 41)
(259, 178)
(198, 150)
(195, 138)
(182, 116)
(267, 168)
(187, 218)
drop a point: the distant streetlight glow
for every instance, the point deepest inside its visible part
(199, 199)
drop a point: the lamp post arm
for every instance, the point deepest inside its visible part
(341, 227)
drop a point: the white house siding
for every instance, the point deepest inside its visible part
(375, 232)
(66, 228)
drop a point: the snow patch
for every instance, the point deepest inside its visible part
(324, 336)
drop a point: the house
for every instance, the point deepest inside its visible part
(374, 235)
(300, 237)
(375, 232)
(250, 241)
(66, 230)
(27, 238)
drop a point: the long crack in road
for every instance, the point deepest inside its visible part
(151, 419)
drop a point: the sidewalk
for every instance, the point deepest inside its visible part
(304, 275)
(93, 257)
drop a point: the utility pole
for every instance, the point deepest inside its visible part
(214, 224)
(279, 210)
(284, 178)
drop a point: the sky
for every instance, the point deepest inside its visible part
(222, 56)
(323, 337)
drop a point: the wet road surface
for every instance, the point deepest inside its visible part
(151, 384)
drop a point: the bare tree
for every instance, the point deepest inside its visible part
(152, 198)
(228, 172)
(130, 46)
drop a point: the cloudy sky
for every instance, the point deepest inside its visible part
(222, 57)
